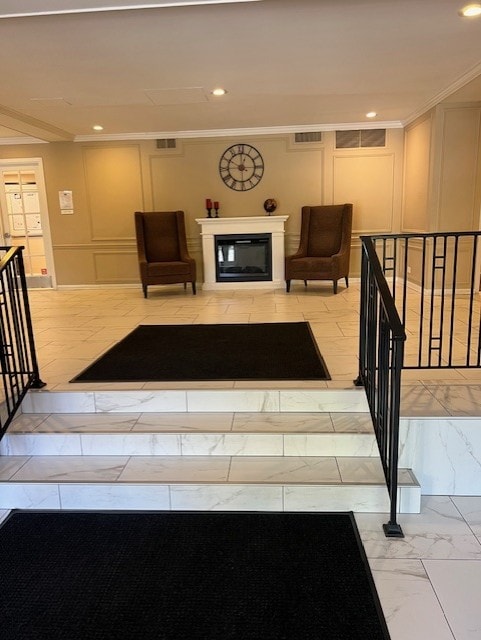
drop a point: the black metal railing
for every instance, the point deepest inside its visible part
(420, 309)
(434, 281)
(381, 349)
(18, 362)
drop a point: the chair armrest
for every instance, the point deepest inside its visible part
(300, 253)
(342, 252)
(185, 256)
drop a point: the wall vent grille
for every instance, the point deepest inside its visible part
(308, 136)
(360, 138)
(166, 143)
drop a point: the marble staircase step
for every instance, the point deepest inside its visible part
(291, 483)
(231, 459)
(204, 434)
(201, 444)
(193, 422)
(82, 400)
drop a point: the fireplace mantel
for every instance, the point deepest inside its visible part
(211, 227)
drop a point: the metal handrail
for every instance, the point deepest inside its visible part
(438, 297)
(18, 361)
(434, 299)
(381, 353)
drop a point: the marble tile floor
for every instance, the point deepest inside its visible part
(72, 327)
(430, 582)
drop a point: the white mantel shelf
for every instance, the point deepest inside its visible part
(211, 227)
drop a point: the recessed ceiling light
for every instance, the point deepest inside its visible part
(371, 114)
(97, 127)
(471, 10)
(219, 92)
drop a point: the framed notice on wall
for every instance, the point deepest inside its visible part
(65, 199)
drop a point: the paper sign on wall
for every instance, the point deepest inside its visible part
(65, 199)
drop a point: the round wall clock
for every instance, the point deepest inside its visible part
(241, 167)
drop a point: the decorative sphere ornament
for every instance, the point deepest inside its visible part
(270, 205)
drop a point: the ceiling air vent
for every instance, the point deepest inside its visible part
(308, 136)
(166, 143)
(360, 138)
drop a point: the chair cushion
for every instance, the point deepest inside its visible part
(168, 268)
(317, 268)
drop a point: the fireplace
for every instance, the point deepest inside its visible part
(243, 257)
(252, 250)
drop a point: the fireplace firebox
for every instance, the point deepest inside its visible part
(240, 226)
(243, 257)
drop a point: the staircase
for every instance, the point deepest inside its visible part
(197, 449)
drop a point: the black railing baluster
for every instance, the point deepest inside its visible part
(471, 299)
(453, 302)
(478, 354)
(421, 306)
(441, 307)
(394, 256)
(431, 303)
(392, 528)
(405, 281)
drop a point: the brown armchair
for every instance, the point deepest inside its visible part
(325, 245)
(162, 249)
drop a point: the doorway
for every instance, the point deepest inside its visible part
(24, 219)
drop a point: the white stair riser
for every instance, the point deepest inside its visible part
(214, 400)
(204, 497)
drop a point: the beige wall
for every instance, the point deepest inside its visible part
(417, 154)
(442, 180)
(110, 180)
(458, 176)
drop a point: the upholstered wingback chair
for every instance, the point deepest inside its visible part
(162, 249)
(325, 245)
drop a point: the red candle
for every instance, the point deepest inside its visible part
(208, 203)
(216, 205)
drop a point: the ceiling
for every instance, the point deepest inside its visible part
(288, 65)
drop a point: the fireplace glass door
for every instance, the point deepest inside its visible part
(243, 257)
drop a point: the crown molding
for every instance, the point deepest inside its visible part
(463, 80)
(249, 131)
(55, 7)
(21, 140)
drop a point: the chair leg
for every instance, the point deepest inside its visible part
(334, 284)
(144, 289)
(305, 283)
(193, 288)
(185, 286)
(347, 281)
(288, 286)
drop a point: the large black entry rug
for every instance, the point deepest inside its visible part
(186, 576)
(270, 351)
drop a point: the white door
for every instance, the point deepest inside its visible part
(24, 219)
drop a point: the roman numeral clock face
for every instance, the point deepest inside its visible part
(241, 167)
